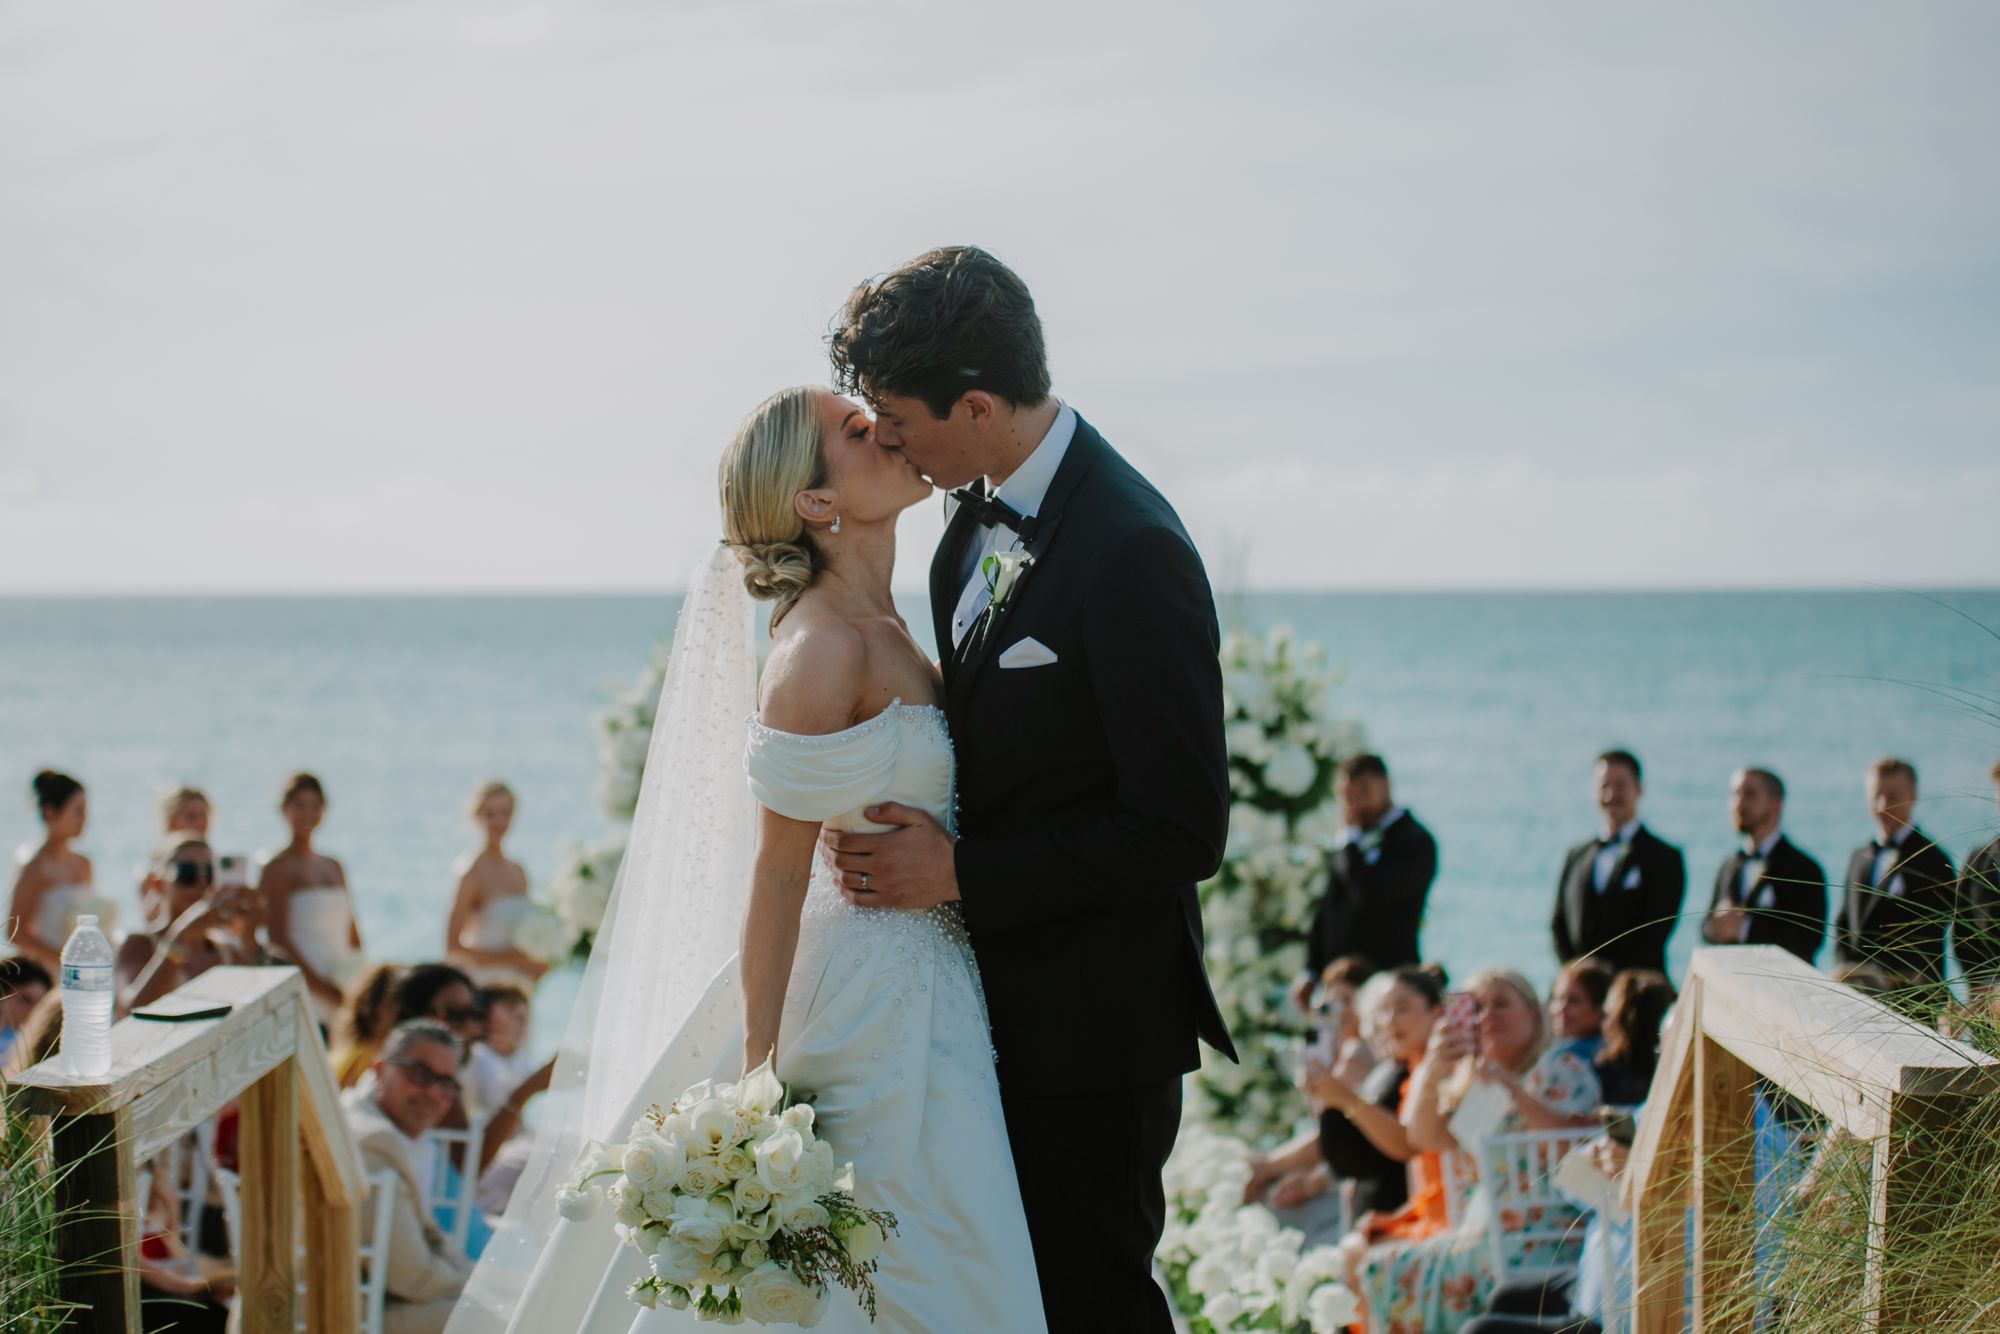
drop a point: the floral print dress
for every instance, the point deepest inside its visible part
(1434, 1285)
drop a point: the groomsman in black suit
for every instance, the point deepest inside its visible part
(1380, 876)
(1975, 931)
(1768, 892)
(1900, 888)
(1620, 894)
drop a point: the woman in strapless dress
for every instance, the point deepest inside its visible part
(492, 899)
(53, 880)
(308, 912)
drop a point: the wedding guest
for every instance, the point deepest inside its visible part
(23, 983)
(492, 898)
(39, 1037)
(1638, 1005)
(1976, 925)
(1576, 1006)
(1440, 1280)
(308, 911)
(1900, 888)
(1378, 878)
(55, 879)
(1768, 891)
(415, 1087)
(1574, 1301)
(442, 993)
(500, 1060)
(366, 1016)
(185, 810)
(193, 934)
(1619, 895)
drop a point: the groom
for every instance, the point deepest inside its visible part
(1078, 639)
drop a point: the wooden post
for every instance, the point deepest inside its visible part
(1725, 1103)
(97, 1226)
(270, 1157)
(1659, 1229)
(1928, 1159)
(332, 1266)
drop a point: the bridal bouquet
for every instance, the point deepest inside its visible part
(737, 1205)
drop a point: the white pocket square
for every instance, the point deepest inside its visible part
(1632, 878)
(1027, 653)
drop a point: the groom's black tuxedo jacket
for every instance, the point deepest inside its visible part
(1093, 790)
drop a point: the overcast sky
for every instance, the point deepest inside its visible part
(401, 295)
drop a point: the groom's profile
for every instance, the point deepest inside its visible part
(1078, 639)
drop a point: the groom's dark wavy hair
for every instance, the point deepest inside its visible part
(951, 320)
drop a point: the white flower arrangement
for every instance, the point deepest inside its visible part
(541, 933)
(737, 1205)
(1283, 749)
(580, 890)
(1231, 1266)
(624, 733)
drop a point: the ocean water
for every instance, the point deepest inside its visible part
(1488, 707)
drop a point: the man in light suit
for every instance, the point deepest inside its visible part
(416, 1084)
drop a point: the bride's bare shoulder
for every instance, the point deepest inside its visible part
(815, 677)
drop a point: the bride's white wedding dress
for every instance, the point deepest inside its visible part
(885, 1024)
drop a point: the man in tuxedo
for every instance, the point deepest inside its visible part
(1768, 892)
(1377, 881)
(1900, 887)
(1619, 894)
(1975, 930)
(1084, 696)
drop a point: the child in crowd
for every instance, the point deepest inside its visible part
(1576, 1007)
(500, 1060)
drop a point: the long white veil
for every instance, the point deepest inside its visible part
(671, 924)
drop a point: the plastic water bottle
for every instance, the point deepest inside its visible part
(86, 1000)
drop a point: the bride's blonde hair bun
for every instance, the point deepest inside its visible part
(774, 456)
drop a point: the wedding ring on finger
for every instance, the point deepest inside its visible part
(864, 882)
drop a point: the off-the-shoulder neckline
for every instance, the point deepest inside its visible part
(894, 708)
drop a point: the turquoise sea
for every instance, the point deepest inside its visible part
(1489, 708)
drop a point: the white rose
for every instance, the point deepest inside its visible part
(757, 1227)
(659, 1202)
(755, 1253)
(1222, 1309)
(577, 1204)
(1331, 1308)
(773, 1295)
(676, 1262)
(781, 1162)
(1291, 771)
(701, 1223)
(627, 1203)
(700, 1177)
(674, 1126)
(819, 1169)
(735, 1163)
(750, 1196)
(676, 1297)
(647, 1237)
(801, 1215)
(648, 1161)
(863, 1241)
(799, 1117)
(644, 1293)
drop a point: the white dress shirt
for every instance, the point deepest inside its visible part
(1755, 856)
(1885, 858)
(1025, 489)
(1608, 856)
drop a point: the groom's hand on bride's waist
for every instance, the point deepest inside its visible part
(910, 866)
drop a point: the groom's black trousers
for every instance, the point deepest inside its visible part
(1089, 1166)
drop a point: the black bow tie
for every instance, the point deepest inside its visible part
(1880, 846)
(989, 510)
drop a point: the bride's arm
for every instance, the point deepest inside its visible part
(812, 684)
(771, 927)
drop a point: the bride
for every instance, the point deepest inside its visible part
(879, 1013)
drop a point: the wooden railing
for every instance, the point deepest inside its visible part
(167, 1078)
(1750, 1011)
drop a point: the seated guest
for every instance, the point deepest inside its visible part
(23, 983)
(1377, 881)
(415, 1086)
(1572, 1302)
(441, 992)
(1900, 888)
(1438, 1280)
(1768, 892)
(1576, 1007)
(1975, 931)
(500, 1059)
(193, 930)
(1619, 895)
(366, 1017)
(1637, 1006)
(1362, 1140)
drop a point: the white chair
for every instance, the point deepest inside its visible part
(380, 1207)
(450, 1191)
(185, 1164)
(1534, 1231)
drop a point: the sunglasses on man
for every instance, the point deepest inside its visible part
(427, 1078)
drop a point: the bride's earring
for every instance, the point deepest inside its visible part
(836, 523)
